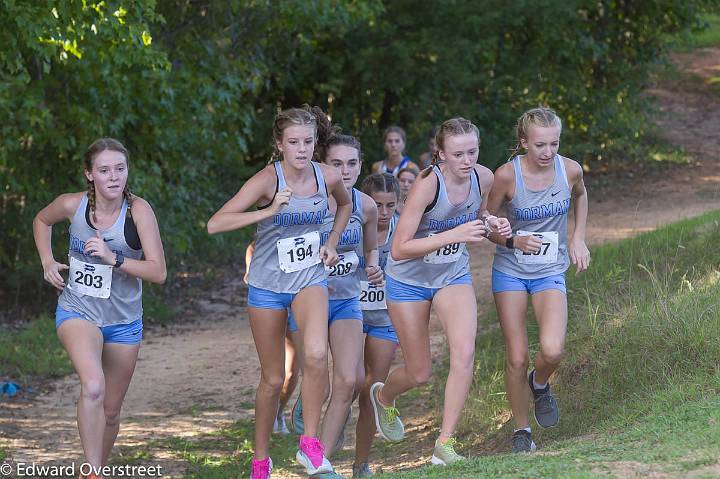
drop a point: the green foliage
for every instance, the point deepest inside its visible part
(33, 350)
(191, 89)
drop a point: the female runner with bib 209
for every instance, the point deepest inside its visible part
(537, 189)
(429, 266)
(380, 339)
(114, 245)
(287, 270)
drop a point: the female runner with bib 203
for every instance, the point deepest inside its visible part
(114, 245)
(429, 266)
(287, 270)
(537, 189)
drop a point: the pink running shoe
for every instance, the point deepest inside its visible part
(261, 469)
(312, 455)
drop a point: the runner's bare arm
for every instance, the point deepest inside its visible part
(579, 253)
(63, 207)
(370, 240)
(257, 190)
(337, 189)
(404, 246)
(499, 226)
(152, 267)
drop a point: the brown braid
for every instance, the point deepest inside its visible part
(451, 127)
(128, 197)
(91, 199)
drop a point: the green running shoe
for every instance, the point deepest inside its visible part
(387, 419)
(445, 454)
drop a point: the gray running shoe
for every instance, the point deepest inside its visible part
(296, 419)
(522, 441)
(387, 419)
(547, 412)
(362, 470)
(326, 475)
(445, 454)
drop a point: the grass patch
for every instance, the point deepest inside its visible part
(33, 350)
(227, 453)
(639, 388)
(705, 34)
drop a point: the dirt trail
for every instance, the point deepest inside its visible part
(200, 376)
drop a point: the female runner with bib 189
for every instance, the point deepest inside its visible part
(538, 190)
(287, 270)
(429, 266)
(114, 245)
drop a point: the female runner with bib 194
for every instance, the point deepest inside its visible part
(429, 266)
(114, 245)
(537, 189)
(287, 270)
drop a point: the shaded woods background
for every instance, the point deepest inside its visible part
(191, 88)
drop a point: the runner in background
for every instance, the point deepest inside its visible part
(394, 140)
(426, 157)
(406, 177)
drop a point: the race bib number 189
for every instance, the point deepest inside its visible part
(296, 254)
(548, 249)
(90, 279)
(446, 254)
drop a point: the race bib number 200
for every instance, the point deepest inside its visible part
(372, 297)
(548, 251)
(90, 279)
(296, 254)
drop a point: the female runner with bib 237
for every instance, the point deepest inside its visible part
(114, 245)
(538, 189)
(287, 270)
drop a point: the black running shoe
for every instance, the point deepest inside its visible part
(522, 441)
(547, 412)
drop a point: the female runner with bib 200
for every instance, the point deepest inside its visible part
(287, 270)
(429, 266)
(538, 190)
(114, 245)
(380, 340)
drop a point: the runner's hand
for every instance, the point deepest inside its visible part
(98, 248)
(528, 244)
(281, 199)
(499, 226)
(329, 256)
(51, 273)
(375, 275)
(579, 255)
(470, 232)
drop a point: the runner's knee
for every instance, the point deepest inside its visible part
(112, 417)
(93, 389)
(517, 363)
(420, 375)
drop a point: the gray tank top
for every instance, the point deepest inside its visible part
(281, 240)
(439, 268)
(343, 278)
(538, 211)
(380, 317)
(86, 278)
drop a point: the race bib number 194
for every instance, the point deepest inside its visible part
(301, 252)
(90, 279)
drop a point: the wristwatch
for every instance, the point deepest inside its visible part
(119, 259)
(509, 243)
